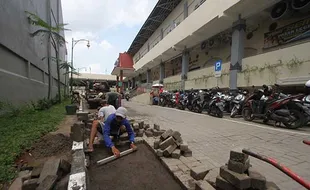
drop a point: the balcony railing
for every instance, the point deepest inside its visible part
(191, 7)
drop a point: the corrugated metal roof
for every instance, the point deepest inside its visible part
(160, 12)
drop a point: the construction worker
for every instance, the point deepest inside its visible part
(104, 112)
(115, 125)
(113, 98)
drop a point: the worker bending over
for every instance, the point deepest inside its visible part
(104, 112)
(115, 125)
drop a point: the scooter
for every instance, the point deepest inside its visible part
(216, 106)
(237, 103)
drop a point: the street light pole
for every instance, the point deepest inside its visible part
(74, 42)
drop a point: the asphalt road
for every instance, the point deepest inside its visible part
(212, 138)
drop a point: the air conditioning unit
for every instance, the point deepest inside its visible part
(281, 10)
(301, 5)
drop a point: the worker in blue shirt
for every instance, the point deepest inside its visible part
(114, 126)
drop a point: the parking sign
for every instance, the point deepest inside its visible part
(218, 68)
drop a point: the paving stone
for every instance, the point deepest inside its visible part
(223, 184)
(156, 143)
(176, 135)
(26, 174)
(65, 166)
(160, 153)
(63, 183)
(241, 181)
(77, 132)
(51, 167)
(140, 133)
(169, 150)
(17, 184)
(179, 142)
(166, 134)
(83, 116)
(184, 146)
(166, 143)
(176, 154)
(30, 184)
(271, 186)
(35, 173)
(135, 126)
(147, 126)
(157, 127)
(238, 166)
(187, 153)
(258, 181)
(199, 172)
(158, 133)
(48, 183)
(149, 133)
(211, 175)
(184, 168)
(203, 185)
(139, 140)
(238, 156)
(141, 125)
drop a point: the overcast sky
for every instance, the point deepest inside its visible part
(110, 25)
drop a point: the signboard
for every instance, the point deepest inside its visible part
(120, 84)
(290, 33)
(218, 68)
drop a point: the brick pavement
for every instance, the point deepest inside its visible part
(211, 139)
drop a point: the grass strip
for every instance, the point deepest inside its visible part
(20, 132)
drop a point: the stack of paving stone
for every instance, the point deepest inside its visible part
(238, 174)
(140, 128)
(170, 144)
(52, 174)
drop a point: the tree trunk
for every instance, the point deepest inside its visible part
(58, 76)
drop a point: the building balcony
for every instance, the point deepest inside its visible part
(206, 21)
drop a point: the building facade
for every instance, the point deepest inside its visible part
(255, 42)
(24, 73)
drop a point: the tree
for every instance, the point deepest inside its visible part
(68, 69)
(52, 33)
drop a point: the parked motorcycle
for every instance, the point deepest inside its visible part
(280, 109)
(216, 106)
(237, 103)
(127, 96)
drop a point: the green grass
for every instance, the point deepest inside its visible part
(20, 131)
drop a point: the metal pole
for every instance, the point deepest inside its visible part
(72, 66)
(111, 158)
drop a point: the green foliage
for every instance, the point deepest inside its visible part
(46, 29)
(19, 130)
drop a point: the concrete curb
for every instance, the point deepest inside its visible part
(78, 175)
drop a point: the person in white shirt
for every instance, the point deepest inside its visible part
(104, 112)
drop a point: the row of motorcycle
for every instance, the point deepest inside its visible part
(265, 103)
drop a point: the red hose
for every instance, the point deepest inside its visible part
(306, 142)
(281, 167)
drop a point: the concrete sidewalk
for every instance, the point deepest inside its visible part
(212, 138)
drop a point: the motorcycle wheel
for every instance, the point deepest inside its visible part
(219, 113)
(182, 107)
(298, 123)
(247, 114)
(234, 112)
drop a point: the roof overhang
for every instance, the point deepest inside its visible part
(161, 11)
(126, 71)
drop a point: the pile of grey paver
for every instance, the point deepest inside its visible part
(238, 174)
(52, 174)
(168, 143)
